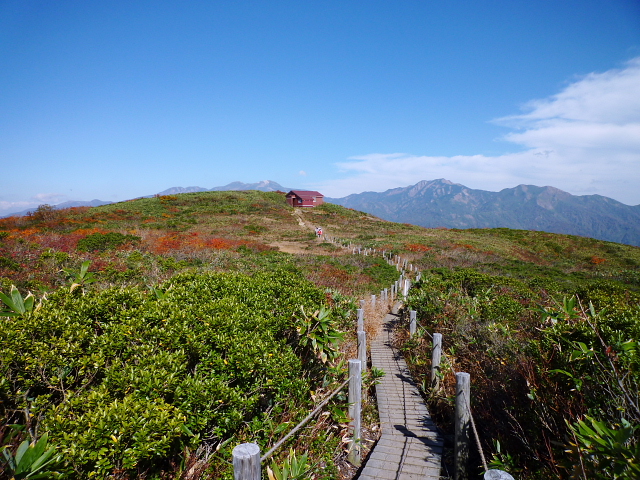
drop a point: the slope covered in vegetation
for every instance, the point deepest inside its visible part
(152, 306)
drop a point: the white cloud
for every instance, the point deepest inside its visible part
(585, 139)
(302, 173)
(49, 198)
(7, 207)
(609, 97)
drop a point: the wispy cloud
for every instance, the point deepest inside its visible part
(585, 139)
(51, 198)
(7, 207)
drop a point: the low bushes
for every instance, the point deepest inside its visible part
(555, 381)
(124, 379)
(105, 241)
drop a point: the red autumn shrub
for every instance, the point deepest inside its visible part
(417, 247)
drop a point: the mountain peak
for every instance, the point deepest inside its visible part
(442, 203)
(176, 190)
(263, 185)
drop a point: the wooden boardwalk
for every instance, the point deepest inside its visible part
(409, 447)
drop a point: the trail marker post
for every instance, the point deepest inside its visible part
(362, 349)
(355, 410)
(246, 462)
(412, 323)
(436, 356)
(497, 475)
(462, 427)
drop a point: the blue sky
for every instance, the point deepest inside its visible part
(114, 100)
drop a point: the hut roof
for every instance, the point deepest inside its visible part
(305, 194)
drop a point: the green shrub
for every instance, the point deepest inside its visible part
(105, 241)
(382, 272)
(255, 229)
(124, 378)
(553, 373)
(9, 264)
(502, 308)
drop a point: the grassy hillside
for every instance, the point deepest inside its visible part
(513, 306)
(241, 231)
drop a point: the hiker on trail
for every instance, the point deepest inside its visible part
(318, 231)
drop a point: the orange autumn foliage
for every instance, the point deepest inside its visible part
(417, 247)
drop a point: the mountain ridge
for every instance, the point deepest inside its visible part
(263, 185)
(442, 203)
(69, 204)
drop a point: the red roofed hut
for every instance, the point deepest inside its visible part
(304, 198)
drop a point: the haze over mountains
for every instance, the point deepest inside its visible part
(72, 203)
(263, 186)
(441, 203)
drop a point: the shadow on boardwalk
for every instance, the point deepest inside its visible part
(410, 446)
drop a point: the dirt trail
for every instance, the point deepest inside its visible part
(294, 247)
(291, 247)
(301, 246)
(298, 215)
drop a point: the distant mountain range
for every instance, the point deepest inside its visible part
(60, 206)
(263, 186)
(441, 203)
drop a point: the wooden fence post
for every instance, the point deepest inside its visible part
(461, 449)
(360, 319)
(412, 323)
(362, 349)
(246, 462)
(436, 355)
(497, 475)
(355, 406)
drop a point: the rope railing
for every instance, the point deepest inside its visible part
(303, 422)
(462, 392)
(247, 462)
(463, 378)
(246, 457)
